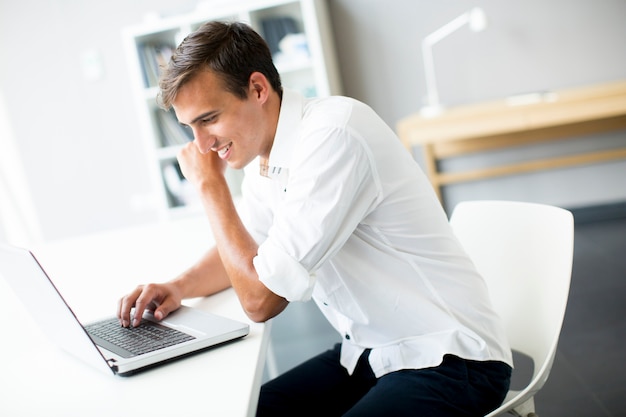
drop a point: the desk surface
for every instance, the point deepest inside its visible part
(516, 122)
(503, 117)
(92, 273)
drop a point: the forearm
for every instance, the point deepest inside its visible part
(236, 249)
(204, 278)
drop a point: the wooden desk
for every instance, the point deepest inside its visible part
(39, 379)
(500, 124)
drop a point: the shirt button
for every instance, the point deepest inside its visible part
(347, 336)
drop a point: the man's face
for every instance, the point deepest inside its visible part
(221, 122)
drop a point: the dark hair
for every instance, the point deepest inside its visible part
(232, 50)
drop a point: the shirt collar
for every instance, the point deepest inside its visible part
(287, 131)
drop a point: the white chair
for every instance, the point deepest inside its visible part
(524, 251)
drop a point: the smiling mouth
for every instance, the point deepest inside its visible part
(222, 152)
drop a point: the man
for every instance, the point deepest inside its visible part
(336, 210)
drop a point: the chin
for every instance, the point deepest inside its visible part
(235, 165)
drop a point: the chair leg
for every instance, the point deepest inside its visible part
(270, 362)
(516, 414)
(526, 409)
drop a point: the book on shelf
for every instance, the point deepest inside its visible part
(172, 132)
(179, 190)
(276, 28)
(153, 56)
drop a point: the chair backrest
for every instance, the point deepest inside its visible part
(524, 252)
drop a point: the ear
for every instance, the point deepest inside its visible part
(259, 87)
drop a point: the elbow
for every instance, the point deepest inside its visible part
(260, 310)
(255, 312)
(257, 317)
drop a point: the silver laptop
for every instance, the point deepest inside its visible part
(183, 332)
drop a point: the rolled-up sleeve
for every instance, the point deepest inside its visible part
(273, 265)
(331, 185)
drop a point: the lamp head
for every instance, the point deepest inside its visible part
(477, 19)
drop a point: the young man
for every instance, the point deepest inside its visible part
(334, 209)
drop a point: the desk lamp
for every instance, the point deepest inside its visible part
(477, 21)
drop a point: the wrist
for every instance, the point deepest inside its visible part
(179, 287)
(211, 184)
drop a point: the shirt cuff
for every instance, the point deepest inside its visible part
(282, 274)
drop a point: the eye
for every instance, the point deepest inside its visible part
(208, 120)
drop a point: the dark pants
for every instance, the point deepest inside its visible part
(322, 387)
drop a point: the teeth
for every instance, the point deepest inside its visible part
(224, 150)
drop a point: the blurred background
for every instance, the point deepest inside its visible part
(72, 161)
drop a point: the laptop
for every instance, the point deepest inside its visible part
(183, 332)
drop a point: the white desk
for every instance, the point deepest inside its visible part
(92, 273)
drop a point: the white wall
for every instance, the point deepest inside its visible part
(19, 224)
(79, 139)
(529, 45)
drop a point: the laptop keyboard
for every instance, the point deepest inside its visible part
(132, 341)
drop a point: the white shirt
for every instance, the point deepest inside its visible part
(348, 218)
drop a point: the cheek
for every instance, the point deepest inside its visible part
(239, 129)
(223, 129)
(243, 126)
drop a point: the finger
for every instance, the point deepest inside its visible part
(151, 298)
(165, 308)
(184, 158)
(125, 305)
(144, 299)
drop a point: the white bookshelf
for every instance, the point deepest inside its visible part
(313, 72)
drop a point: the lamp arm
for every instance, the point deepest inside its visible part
(477, 21)
(432, 98)
(427, 54)
(447, 29)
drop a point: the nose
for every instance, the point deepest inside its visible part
(204, 140)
